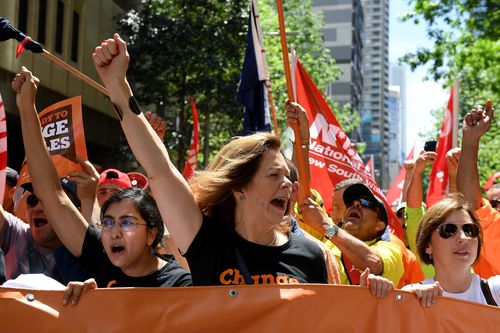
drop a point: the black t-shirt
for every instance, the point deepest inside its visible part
(97, 262)
(212, 259)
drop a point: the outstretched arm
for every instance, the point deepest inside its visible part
(415, 192)
(295, 114)
(452, 157)
(175, 200)
(361, 255)
(63, 216)
(475, 124)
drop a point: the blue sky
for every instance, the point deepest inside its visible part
(421, 96)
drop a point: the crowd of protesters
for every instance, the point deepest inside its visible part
(241, 220)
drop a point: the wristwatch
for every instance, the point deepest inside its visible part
(332, 231)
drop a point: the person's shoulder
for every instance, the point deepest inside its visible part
(14, 221)
(173, 275)
(305, 243)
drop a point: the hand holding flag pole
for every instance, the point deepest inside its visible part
(304, 179)
(7, 31)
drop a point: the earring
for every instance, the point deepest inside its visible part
(242, 197)
(430, 256)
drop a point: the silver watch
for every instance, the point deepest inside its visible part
(332, 231)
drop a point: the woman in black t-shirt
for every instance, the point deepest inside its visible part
(132, 225)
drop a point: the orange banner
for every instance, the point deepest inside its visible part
(303, 308)
(62, 128)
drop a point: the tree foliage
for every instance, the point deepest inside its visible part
(466, 47)
(184, 48)
(188, 48)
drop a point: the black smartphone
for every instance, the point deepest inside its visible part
(430, 145)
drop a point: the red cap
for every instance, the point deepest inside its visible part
(138, 179)
(115, 177)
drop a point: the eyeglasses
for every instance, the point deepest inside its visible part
(125, 224)
(32, 200)
(448, 230)
(494, 202)
(365, 203)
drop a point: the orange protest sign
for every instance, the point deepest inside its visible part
(62, 128)
(288, 308)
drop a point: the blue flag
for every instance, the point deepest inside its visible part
(252, 90)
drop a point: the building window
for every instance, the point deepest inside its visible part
(42, 21)
(23, 16)
(59, 26)
(74, 36)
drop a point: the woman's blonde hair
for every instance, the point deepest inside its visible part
(435, 216)
(232, 169)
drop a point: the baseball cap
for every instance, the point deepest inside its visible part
(69, 187)
(138, 179)
(360, 190)
(115, 176)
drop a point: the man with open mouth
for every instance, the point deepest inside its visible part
(29, 247)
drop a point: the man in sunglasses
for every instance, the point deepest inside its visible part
(366, 219)
(476, 123)
(30, 247)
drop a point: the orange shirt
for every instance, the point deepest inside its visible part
(489, 259)
(412, 270)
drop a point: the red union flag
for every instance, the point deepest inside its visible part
(332, 157)
(3, 149)
(396, 188)
(439, 173)
(369, 166)
(194, 148)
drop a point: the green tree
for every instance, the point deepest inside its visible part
(184, 48)
(466, 47)
(188, 48)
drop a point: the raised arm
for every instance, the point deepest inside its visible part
(86, 183)
(68, 223)
(452, 157)
(295, 114)
(415, 194)
(361, 255)
(175, 200)
(475, 124)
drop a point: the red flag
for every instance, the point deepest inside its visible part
(396, 188)
(194, 148)
(3, 149)
(369, 166)
(332, 158)
(438, 178)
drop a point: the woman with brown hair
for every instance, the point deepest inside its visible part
(228, 220)
(449, 237)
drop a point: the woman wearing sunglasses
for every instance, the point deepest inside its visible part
(449, 237)
(122, 254)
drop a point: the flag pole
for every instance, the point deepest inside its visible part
(273, 109)
(456, 111)
(75, 72)
(297, 147)
(266, 69)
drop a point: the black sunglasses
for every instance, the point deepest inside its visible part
(365, 202)
(494, 202)
(32, 200)
(448, 230)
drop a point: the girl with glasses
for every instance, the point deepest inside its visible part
(123, 253)
(449, 237)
